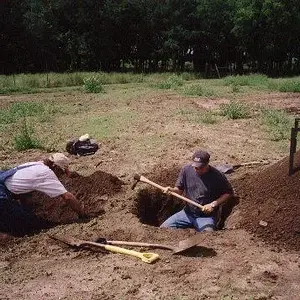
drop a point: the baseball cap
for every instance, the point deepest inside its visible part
(200, 158)
(60, 160)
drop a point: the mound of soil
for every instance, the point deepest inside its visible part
(93, 191)
(270, 204)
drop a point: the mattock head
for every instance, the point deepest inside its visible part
(137, 179)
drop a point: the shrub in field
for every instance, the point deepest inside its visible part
(172, 82)
(198, 90)
(235, 110)
(93, 85)
(278, 123)
(25, 140)
(194, 90)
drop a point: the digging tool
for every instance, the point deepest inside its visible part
(145, 257)
(226, 168)
(181, 247)
(141, 178)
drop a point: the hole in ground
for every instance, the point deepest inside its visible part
(153, 207)
(94, 191)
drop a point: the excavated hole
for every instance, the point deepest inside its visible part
(153, 207)
(94, 191)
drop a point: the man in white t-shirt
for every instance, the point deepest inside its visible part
(34, 176)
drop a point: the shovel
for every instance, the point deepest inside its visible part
(181, 247)
(226, 168)
(74, 242)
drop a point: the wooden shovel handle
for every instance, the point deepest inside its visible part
(150, 245)
(146, 180)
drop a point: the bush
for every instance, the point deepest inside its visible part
(235, 110)
(93, 85)
(25, 139)
(172, 82)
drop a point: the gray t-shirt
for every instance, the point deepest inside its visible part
(202, 189)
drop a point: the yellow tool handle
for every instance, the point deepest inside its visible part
(146, 257)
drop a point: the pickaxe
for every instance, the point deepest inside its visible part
(141, 178)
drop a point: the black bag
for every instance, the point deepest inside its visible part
(77, 147)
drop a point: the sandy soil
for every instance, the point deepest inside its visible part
(244, 261)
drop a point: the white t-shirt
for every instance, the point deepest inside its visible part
(37, 177)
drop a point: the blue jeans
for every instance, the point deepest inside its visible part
(184, 220)
(18, 220)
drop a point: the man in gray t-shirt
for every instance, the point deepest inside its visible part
(205, 185)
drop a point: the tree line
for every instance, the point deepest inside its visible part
(234, 36)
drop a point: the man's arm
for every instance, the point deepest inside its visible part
(71, 200)
(208, 208)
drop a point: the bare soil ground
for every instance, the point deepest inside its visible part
(244, 261)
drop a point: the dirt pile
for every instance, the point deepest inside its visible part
(93, 191)
(270, 204)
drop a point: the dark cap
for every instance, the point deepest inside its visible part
(200, 158)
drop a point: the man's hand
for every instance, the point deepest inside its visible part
(209, 208)
(167, 190)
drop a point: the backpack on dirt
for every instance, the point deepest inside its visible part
(82, 146)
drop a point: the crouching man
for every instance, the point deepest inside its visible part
(205, 185)
(15, 217)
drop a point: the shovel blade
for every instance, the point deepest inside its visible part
(67, 240)
(188, 243)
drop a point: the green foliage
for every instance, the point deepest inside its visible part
(198, 90)
(13, 90)
(235, 110)
(27, 109)
(235, 88)
(173, 81)
(208, 117)
(25, 139)
(93, 85)
(289, 86)
(278, 123)
(246, 80)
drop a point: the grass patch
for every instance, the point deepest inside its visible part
(110, 125)
(285, 86)
(25, 83)
(205, 117)
(172, 82)
(208, 117)
(278, 123)
(25, 139)
(28, 109)
(198, 90)
(246, 80)
(93, 85)
(235, 110)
